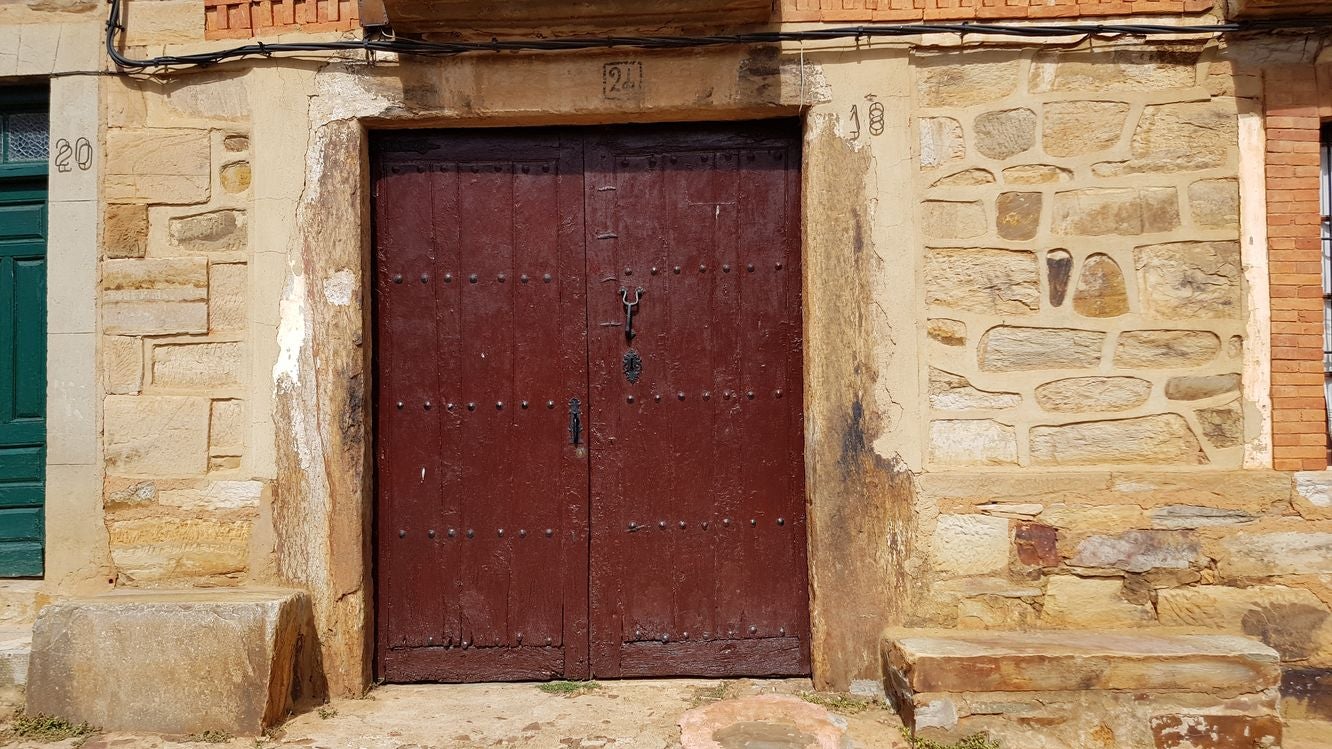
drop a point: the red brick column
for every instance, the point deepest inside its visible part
(1299, 417)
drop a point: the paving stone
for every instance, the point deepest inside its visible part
(775, 721)
(133, 661)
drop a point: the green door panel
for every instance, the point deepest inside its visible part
(23, 226)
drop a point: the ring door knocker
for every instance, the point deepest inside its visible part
(629, 310)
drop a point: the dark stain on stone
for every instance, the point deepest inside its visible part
(1286, 627)
(1312, 688)
(1215, 731)
(759, 76)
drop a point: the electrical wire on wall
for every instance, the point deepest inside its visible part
(115, 30)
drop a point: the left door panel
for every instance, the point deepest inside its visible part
(24, 136)
(480, 334)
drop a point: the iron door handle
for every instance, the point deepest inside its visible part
(629, 310)
(575, 421)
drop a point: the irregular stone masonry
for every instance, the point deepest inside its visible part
(1111, 271)
(175, 358)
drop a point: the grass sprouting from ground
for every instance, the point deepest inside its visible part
(840, 703)
(327, 711)
(48, 728)
(724, 690)
(976, 741)
(210, 737)
(569, 688)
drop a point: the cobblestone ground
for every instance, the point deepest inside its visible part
(739, 714)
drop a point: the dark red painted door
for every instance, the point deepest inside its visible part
(481, 346)
(671, 538)
(698, 508)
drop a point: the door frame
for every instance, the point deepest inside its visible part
(861, 441)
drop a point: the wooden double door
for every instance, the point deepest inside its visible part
(589, 445)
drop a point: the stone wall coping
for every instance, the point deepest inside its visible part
(1121, 643)
(179, 596)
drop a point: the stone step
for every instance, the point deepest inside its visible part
(1120, 689)
(176, 661)
(15, 647)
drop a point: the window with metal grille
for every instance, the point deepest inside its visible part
(1325, 208)
(25, 132)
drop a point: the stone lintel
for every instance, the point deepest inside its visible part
(176, 661)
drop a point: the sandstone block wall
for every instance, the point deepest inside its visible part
(1082, 272)
(180, 498)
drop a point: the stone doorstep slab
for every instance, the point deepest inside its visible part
(175, 661)
(1069, 661)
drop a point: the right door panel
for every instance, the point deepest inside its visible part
(697, 479)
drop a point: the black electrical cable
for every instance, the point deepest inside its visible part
(115, 29)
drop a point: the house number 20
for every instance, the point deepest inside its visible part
(81, 153)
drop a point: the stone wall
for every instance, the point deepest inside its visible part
(1082, 265)
(179, 496)
(1086, 310)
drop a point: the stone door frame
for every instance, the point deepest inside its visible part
(322, 509)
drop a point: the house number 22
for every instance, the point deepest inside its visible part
(81, 153)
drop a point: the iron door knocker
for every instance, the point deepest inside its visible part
(629, 310)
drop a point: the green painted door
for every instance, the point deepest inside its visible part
(23, 231)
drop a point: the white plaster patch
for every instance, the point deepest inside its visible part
(1315, 486)
(338, 289)
(291, 334)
